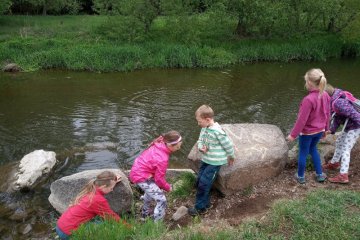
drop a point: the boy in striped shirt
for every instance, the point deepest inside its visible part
(217, 150)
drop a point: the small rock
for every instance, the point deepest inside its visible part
(26, 229)
(180, 212)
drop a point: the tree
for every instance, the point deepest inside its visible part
(5, 6)
(56, 6)
(254, 17)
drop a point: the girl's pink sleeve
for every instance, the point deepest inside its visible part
(303, 115)
(160, 174)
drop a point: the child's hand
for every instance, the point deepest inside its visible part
(118, 178)
(324, 135)
(203, 149)
(231, 161)
(290, 138)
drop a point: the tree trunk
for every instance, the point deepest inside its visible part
(241, 30)
(331, 25)
(44, 10)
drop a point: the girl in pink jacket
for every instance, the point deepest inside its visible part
(312, 122)
(149, 169)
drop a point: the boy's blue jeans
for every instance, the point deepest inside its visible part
(308, 144)
(206, 177)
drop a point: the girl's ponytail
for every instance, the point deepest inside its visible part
(103, 179)
(88, 189)
(322, 84)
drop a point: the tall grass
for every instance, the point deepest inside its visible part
(90, 43)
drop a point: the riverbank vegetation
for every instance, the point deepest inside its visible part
(328, 214)
(126, 35)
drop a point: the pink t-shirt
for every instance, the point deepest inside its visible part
(314, 114)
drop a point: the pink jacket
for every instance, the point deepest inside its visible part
(153, 162)
(314, 114)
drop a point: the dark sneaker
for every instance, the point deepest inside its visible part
(300, 180)
(321, 177)
(195, 212)
(341, 178)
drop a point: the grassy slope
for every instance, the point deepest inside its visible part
(82, 43)
(322, 215)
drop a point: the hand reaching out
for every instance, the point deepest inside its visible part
(290, 138)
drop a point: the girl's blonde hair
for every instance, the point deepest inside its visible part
(205, 111)
(329, 89)
(102, 179)
(317, 77)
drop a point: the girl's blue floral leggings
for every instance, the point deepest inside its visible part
(153, 192)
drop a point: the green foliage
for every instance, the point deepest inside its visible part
(5, 6)
(327, 215)
(183, 186)
(288, 18)
(119, 43)
(351, 34)
(113, 230)
(53, 6)
(121, 28)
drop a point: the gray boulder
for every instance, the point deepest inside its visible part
(65, 189)
(260, 153)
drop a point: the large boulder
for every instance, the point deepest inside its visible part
(33, 166)
(260, 153)
(65, 189)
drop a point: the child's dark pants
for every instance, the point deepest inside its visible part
(206, 177)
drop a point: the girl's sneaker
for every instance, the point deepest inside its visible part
(300, 180)
(331, 166)
(321, 177)
(341, 178)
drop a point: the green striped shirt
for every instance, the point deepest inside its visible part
(219, 146)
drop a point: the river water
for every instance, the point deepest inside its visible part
(104, 120)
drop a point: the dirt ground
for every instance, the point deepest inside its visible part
(255, 202)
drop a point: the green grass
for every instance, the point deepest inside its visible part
(322, 215)
(183, 186)
(107, 44)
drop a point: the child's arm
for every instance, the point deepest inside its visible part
(160, 173)
(228, 146)
(201, 143)
(103, 209)
(303, 115)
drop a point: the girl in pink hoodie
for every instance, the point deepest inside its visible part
(149, 169)
(312, 123)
